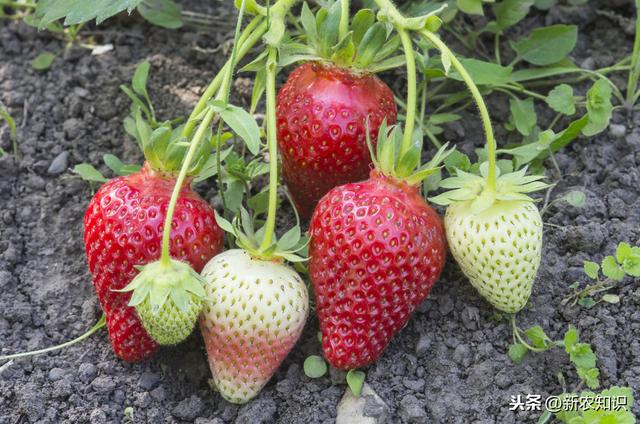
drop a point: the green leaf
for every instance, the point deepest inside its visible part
(224, 224)
(510, 12)
(623, 251)
(116, 165)
(89, 173)
(631, 265)
(289, 239)
(587, 302)
(315, 367)
(457, 160)
(243, 124)
(371, 43)
(561, 99)
(517, 352)
(575, 198)
(259, 203)
(538, 337)
(308, 22)
(599, 107)
(611, 298)
(328, 33)
(611, 269)
(524, 114)
(43, 61)
(362, 21)
(162, 13)
(547, 45)
(471, 7)
(355, 380)
(590, 376)
(591, 269)
(140, 76)
(484, 73)
(79, 11)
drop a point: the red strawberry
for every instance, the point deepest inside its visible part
(376, 250)
(123, 228)
(321, 114)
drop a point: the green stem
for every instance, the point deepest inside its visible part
(516, 333)
(410, 120)
(270, 93)
(524, 91)
(634, 73)
(166, 235)
(225, 90)
(343, 29)
(101, 323)
(484, 113)
(496, 47)
(423, 103)
(250, 36)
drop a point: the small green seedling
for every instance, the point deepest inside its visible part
(355, 380)
(626, 262)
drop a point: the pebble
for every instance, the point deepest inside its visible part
(86, 372)
(208, 421)
(470, 316)
(103, 384)
(462, 355)
(424, 343)
(59, 164)
(158, 394)
(259, 411)
(56, 374)
(72, 128)
(97, 416)
(445, 305)
(617, 130)
(412, 410)
(148, 380)
(188, 409)
(415, 385)
(368, 408)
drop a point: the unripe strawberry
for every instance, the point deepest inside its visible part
(499, 249)
(168, 298)
(253, 314)
(495, 235)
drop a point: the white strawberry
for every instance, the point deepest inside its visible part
(495, 235)
(253, 314)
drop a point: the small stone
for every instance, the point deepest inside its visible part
(412, 410)
(73, 128)
(103, 384)
(617, 130)
(445, 305)
(481, 375)
(259, 411)
(424, 344)
(504, 380)
(97, 416)
(369, 408)
(59, 164)
(470, 316)
(589, 63)
(208, 421)
(148, 380)
(188, 409)
(415, 385)
(86, 372)
(462, 355)
(158, 394)
(56, 374)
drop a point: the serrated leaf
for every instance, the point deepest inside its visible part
(623, 251)
(314, 366)
(538, 337)
(547, 45)
(43, 61)
(611, 269)
(89, 173)
(561, 99)
(591, 269)
(162, 13)
(599, 107)
(517, 352)
(575, 198)
(524, 114)
(587, 302)
(355, 380)
(79, 11)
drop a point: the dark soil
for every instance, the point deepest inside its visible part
(448, 365)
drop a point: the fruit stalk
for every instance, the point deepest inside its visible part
(165, 257)
(634, 72)
(410, 120)
(273, 147)
(475, 93)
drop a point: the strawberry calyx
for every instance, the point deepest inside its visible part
(474, 188)
(161, 285)
(364, 46)
(163, 145)
(389, 160)
(289, 247)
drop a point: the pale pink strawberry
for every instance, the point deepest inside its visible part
(253, 315)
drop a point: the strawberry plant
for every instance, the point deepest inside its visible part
(626, 262)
